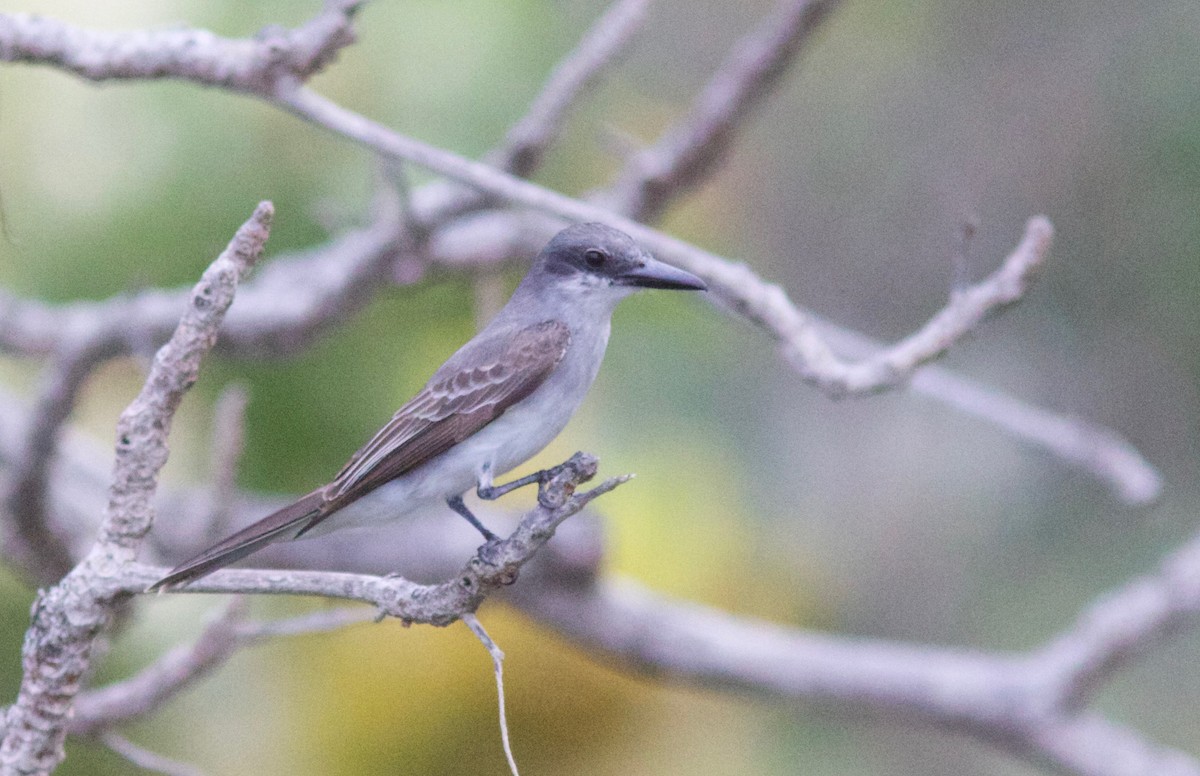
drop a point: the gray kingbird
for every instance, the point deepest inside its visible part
(492, 406)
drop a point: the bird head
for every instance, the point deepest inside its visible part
(590, 258)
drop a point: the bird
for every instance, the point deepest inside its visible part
(494, 404)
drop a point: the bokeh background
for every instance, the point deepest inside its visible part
(886, 517)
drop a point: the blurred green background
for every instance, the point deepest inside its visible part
(887, 517)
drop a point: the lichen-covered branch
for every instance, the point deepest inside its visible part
(67, 618)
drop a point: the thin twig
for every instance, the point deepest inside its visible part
(226, 450)
(39, 550)
(601, 46)
(498, 669)
(960, 264)
(145, 759)
(804, 347)
(145, 692)
(697, 144)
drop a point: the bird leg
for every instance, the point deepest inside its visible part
(490, 492)
(487, 491)
(456, 503)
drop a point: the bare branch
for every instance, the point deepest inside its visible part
(144, 693)
(288, 305)
(1089, 745)
(254, 65)
(68, 617)
(227, 440)
(1123, 624)
(685, 641)
(736, 285)
(494, 566)
(526, 142)
(145, 759)
(1000, 699)
(1095, 449)
(143, 427)
(697, 144)
(803, 346)
(106, 707)
(41, 552)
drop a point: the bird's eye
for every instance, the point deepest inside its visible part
(594, 258)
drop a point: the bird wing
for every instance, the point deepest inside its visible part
(474, 387)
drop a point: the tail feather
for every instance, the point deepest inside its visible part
(283, 524)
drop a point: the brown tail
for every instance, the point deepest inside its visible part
(277, 526)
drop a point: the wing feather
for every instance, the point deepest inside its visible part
(471, 390)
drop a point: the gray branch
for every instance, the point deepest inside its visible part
(528, 139)
(494, 566)
(39, 551)
(68, 617)
(115, 704)
(292, 301)
(1009, 701)
(692, 149)
(144, 693)
(242, 65)
(145, 759)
